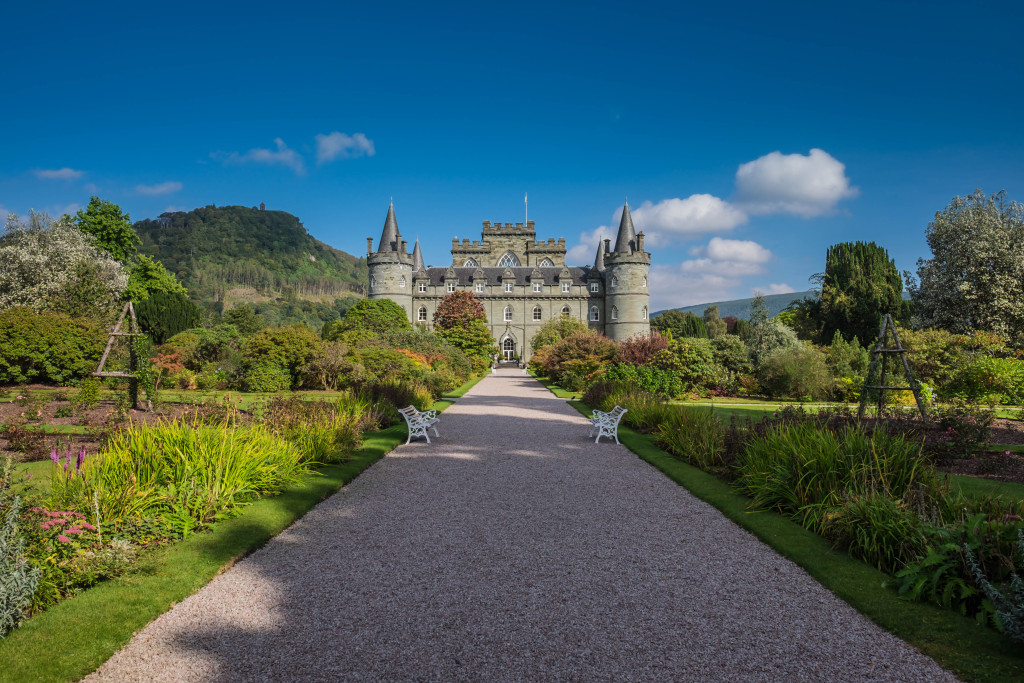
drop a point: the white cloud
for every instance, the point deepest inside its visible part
(672, 287)
(91, 188)
(807, 186)
(340, 146)
(737, 250)
(168, 187)
(283, 155)
(777, 288)
(584, 252)
(4, 213)
(58, 173)
(698, 213)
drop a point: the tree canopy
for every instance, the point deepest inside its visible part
(460, 320)
(975, 277)
(110, 228)
(556, 329)
(373, 316)
(859, 286)
(680, 324)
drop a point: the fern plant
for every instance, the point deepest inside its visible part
(1009, 602)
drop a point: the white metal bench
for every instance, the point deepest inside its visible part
(607, 423)
(419, 422)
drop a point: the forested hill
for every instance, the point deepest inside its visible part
(216, 250)
(742, 308)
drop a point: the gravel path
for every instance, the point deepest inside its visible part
(513, 548)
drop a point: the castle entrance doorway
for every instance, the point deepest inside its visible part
(508, 348)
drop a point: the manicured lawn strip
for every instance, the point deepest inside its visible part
(987, 488)
(57, 429)
(975, 653)
(75, 637)
(461, 391)
(557, 390)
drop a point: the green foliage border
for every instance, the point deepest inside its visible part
(77, 636)
(973, 652)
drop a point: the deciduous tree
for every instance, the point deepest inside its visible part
(460, 320)
(975, 277)
(110, 228)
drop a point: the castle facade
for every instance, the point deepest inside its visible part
(521, 282)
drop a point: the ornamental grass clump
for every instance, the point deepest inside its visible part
(805, 471)
(695, 436)
(186, 473)
(323, 431)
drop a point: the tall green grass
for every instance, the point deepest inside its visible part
(694, 435)
(188, 474)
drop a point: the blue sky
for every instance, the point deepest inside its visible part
(748, 137)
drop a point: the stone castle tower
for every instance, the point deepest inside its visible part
(522, 282)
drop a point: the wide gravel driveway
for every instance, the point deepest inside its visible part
(513, 548)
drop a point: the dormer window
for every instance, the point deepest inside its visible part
(565, 286)
(509, 260)
(594, 287)
(479, 287)
(508, 286)
(536, 288)
(422, 287)
(547, 263)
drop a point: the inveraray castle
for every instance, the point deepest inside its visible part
(521, 282)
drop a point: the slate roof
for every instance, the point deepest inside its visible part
(522, 274)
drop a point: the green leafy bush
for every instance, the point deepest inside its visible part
(1009, 602)
(646, 378)
(962, 428)
(279, 351)
(48, 348)
(323, 431)
(164, 314)
(584, 354)
(797, 372)
(267, 378)
(1000, 380)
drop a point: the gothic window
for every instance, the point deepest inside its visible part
(373, 284)
(565, 286)
(594, 287)
(547, 263)
(479, 286)
(643, 283)
(594, 314)
(451, 287)
(508, 287)
(470, 263)
(644, 313)
(536, 287)
(615, 313)
(508, 260)
(508, 313)
(422, 287)
(565, 310)
(536, 312)
(422, 314)
(615, 282)
(401, 282)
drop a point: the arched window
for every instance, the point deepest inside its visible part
(536, 312)
(565, 310)
(508, 313)
(644, 282)
(401, 282)
(421, 316)
(508, 260)
(644, 313)
(615, 313)
(373, 284)
(470, 263)
(615, 282)
(594, 314)
(547, 263)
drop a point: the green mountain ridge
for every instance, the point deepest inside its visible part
(742, 308)
(230, 255)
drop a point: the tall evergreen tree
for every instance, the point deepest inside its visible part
(859, 286)
(716, 327)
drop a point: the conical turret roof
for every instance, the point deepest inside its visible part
(599, 259)
(389, 238)
(417, 258)
(626, 240)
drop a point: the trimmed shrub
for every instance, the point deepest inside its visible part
(695, 436)
(797, 372)
(286, 348)
(164, 314)
(646, 378)
(50, 348)
(266, 377)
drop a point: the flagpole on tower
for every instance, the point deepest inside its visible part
(526, 207)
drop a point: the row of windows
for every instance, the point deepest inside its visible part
(595, 313)
(479, 286)
(509, 260)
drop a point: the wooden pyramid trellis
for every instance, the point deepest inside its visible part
(133, 362)
(882, 351)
